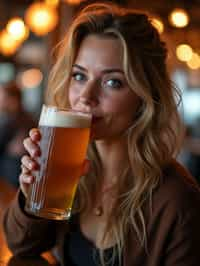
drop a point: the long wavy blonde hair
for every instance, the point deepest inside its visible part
(155, 135)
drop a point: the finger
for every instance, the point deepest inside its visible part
(86, 166)
(29, 163)
(25, 182)
(24, 188)
(35, 134)
(26, 179)
(31, 147)
(25, 170)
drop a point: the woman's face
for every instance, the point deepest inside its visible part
(98, 85)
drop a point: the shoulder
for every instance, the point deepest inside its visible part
(178, 183)
(173, 220)
(177, 193)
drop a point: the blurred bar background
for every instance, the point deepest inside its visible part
(29, 30)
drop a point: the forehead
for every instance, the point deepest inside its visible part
(99, 51)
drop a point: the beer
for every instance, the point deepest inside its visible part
(64, 142)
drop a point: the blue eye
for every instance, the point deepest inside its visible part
(113, 83)
(78, 76)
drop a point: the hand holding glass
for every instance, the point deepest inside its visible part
(65, 136)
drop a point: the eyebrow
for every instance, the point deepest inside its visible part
(108, 70)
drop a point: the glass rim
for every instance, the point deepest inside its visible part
(65, 109)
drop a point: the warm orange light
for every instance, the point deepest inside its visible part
(41, 18)
(52, 3)
(8, 45)
(194, 62)
(31, 78)
(73, 2)
(158, 24)
(184, 52)
(17, 29)
(179, 18)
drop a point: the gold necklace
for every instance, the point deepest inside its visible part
(99, 210)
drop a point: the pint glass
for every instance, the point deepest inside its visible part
(65, 137)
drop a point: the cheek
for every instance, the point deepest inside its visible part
(72, 97)
(124, 110)
(121, 105)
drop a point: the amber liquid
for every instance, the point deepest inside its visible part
(63, 151)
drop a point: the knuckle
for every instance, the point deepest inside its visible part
(34, 132)
(24, 159)
(21, 178)
(25, 142)
(24, 178)
(25, 170)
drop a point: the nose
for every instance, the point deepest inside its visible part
(89, 94)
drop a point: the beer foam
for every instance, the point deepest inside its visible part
(54, 118)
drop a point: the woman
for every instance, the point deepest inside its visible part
(135, 205)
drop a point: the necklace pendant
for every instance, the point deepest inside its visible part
(98, 211)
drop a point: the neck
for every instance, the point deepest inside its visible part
(113, 154)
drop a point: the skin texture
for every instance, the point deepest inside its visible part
(98, 85)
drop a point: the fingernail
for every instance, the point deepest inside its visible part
(30, 165)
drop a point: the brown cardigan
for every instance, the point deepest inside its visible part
(173, 227)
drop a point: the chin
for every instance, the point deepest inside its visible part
(96, 136)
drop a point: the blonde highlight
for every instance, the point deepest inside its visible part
(155, 135)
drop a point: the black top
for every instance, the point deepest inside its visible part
(80, 251)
